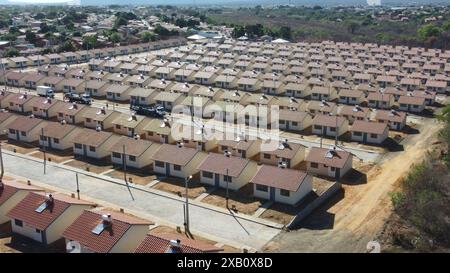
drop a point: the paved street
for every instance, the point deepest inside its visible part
(205, 222)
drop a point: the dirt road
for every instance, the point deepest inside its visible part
(349, 221)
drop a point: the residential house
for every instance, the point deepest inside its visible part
(219, 170)
(174, 243)
(396, 120)
(11, 193)
(44, 217)
(369, 132)
(99, 118)
(118, 92)
(287, 155)
(45, 108)
(327, 125)
(240, 147)
(329, 162)
(94, 144)
(71, 112)
(58, 136)
(380, 100)
(409, 103)
(138, 152)
(176, 160)
(281, 185)
(107, 231)
(130, 124)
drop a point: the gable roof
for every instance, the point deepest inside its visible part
(25, 210)
(160, 243)
(175, 155)
(11, 187)
(81, 229)
(218, 163)
(319, 155)
(280, 178)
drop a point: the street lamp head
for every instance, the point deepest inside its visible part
(190, 177)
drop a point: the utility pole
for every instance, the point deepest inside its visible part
(1, 162)
(186, 207)
(43, 150)
(78, 186)
(227, 154)
(124, 164)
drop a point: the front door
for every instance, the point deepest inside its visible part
(272, 194)
(216, 180)
(84, 150)
(364, 137)
(167, 169)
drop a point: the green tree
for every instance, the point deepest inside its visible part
(89, 42)
(285, 32)
(428, 31)
(67, 47)
(115, 37)
(11, 52)
(30, 37)
(148, 36)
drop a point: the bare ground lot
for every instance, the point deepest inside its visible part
(136, 177)
(19, 147)
(177, 186)
(89, 165)
(240, 201)
(353, 217)
(53, 156)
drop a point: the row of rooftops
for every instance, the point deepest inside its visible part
(96, 229)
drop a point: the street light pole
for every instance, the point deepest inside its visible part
(227, 154)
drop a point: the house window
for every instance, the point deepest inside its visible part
(314, 165)
(56, 141)
(132, 158)
(282, 121)
(317, 127)
(177, 167)
(373, 135)
(332, 129)
(159, 164)
(357, 133)
(88, 120)
(38, 231)
(332, 169)
(294, 123)
(116, 155)
(207, 174)
(18, 223)
(43, 138)
(263, 188)
(227, 178)
(285, 193)
(267, 156)
(92, 149)
(12, 131)
(23, 133)
(118, 127)
(78, 146)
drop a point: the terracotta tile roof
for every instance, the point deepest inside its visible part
(218, 163)
(43, 103)
(24, 124)
(329, 121)
(411, 100)
(81, 229)
(134, 147)
(69, 108)
(11, 187)
(5, 115)
(392, 115)
(368, 127)
(160, 243)
(175, 155)
(319, 155)
(19, 99)
(280, 178)
(241, 145)
(58, 130)
(25, 210)
(286, 150)
(92, 137)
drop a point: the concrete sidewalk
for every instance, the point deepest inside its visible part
(207, 221)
